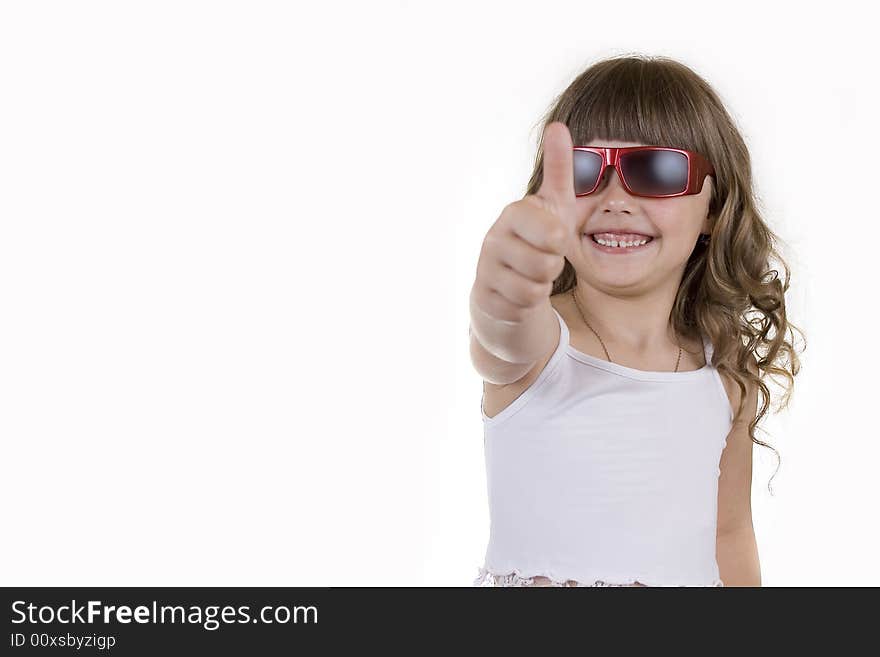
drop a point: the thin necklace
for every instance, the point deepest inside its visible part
(600, 339)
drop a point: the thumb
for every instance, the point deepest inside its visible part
(557, 184)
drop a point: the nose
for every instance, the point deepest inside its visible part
(607, 176)
(616, 198)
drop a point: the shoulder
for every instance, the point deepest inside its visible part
(734, 393)
(497, 398)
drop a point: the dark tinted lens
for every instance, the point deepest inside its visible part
(655, 172)
(586, 171)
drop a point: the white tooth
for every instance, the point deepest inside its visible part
(620, 244)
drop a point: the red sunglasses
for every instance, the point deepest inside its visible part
(651, 171)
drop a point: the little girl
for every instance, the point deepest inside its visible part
(623, 316)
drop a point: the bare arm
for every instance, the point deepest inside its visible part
(737, 550)
(737, 554)
(533, 334)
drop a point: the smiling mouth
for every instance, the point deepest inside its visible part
(629, 245)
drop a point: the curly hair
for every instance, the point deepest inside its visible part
(730, 290)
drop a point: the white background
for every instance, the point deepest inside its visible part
(236, 245)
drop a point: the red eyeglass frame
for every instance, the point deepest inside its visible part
(698, 168)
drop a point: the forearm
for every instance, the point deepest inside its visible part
(737, 555)
(515, 342)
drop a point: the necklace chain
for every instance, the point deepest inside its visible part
(574, 297)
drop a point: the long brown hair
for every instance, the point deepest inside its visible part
(730, 290)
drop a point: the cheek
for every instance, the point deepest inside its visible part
(583, 209)
(680, 224)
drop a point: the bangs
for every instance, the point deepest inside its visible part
(634, 100)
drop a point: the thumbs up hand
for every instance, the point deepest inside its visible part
(523, 252)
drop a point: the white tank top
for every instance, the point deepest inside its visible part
(606, 475)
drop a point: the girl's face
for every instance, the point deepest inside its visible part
(674, 223)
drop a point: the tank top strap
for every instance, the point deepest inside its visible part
(708, 350)
(564, 334)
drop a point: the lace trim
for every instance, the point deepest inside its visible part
(518, 578)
